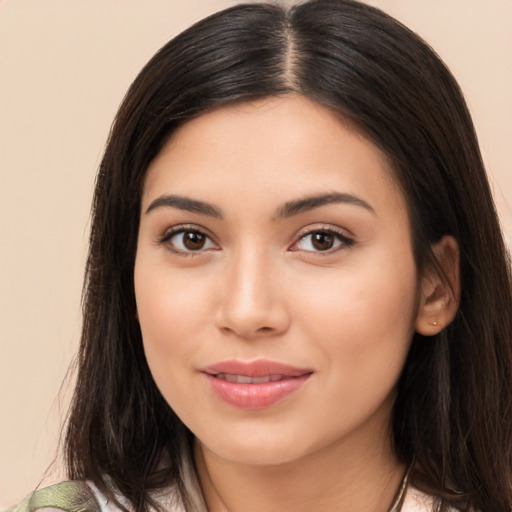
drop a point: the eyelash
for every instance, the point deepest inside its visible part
(170, 234)
(344, 241)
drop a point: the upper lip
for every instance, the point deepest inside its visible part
(258, 368)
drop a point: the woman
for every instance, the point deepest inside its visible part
(297, 295)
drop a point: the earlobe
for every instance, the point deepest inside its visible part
(440, 288)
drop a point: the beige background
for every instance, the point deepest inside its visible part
(64, 67)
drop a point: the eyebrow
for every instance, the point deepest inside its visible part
(309, 203)
(289, 209)
(187, 204)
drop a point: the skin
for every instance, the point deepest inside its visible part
(259, 287)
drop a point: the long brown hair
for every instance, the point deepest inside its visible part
(453, 413)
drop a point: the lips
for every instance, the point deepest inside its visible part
(254, 385)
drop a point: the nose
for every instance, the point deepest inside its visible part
(253, 303)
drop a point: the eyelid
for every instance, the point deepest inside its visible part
(171, 232)
(347, 241)
(341, 234)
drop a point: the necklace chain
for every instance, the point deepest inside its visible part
(400, 495)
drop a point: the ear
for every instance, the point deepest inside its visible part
(439, 288)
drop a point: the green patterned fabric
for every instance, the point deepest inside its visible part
(69, 496)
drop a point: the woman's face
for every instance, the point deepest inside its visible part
(276, 287)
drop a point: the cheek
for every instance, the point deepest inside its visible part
(168, 317)
(170, 310)
(361, 323)
(169, 301)
(364, 315)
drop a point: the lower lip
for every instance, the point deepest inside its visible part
(256, 396)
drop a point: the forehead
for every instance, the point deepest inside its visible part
(278, 147)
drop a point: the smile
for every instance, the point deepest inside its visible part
(254, 385)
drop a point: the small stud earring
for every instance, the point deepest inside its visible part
(434, 323)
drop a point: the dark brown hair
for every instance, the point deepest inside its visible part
(452, 415)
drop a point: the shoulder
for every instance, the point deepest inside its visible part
(417, 501)
(71, 496)
(80, 496)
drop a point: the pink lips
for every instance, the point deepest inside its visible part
(254, 385)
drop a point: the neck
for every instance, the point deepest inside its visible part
(344, 476)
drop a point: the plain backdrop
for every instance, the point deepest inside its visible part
(64, 68)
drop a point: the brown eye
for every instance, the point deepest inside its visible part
(322, 241)
(193, 240)
(188, 240)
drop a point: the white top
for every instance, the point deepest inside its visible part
(415, 501)
(77, 495)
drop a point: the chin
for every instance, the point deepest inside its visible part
(261, 448)
(255, 455)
